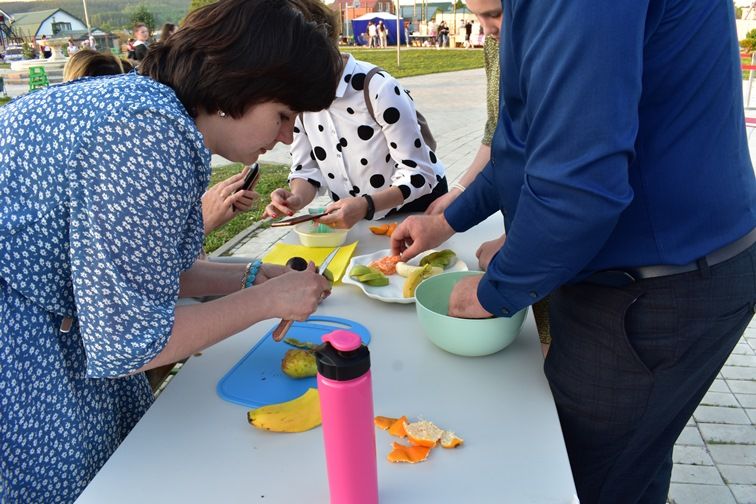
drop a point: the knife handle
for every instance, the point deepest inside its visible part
(281, 329)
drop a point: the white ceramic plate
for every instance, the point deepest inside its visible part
(391, 293)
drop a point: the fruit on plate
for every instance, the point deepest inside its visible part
(404, 269)
(299, 363)
(368, 275)
(414, 279)
(386, 265)
(423, 435)
(442, 258)
(298, 415)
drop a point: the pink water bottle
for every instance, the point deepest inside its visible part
(346, 404)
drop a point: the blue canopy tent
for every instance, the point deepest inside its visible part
(359, 27)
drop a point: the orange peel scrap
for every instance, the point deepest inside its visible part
(423, 433)
(379, 230)
(450, 440)
(397, 428)
(408, 454)
(384, 423)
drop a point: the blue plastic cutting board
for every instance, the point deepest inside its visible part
(257, 380)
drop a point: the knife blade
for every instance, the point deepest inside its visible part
(283, 327)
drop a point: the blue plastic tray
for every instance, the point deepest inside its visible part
(257, 380)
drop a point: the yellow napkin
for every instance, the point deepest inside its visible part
(282, 252)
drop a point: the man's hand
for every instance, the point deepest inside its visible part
(463, 302)
(488, 250)
(418, 233)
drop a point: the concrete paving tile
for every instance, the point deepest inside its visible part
(738, 474)
(719, 385)
(746, 400)
(727, 434)
(751, 412)
(744, 494)
(743, 349)
(726, 399)
(686, 493)
(690, 437)
(690, 423)
(703, 475)
(721, 414)
(739, 373)
(742, 386)
(692, 455)
(742, 360)
(732, 454)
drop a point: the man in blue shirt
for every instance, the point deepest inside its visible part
(621, 167)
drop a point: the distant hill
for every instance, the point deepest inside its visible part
(105, 14)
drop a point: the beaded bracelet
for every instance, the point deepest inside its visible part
(250, 273)
(458, 186)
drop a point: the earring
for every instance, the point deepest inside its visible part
(221, 113)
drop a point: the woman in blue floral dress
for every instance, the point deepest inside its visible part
(100, 228)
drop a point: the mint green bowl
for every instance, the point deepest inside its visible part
(466, 337)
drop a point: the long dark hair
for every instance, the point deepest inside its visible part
(236, 53)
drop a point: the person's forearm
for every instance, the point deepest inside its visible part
(481, 159)
(206, 278)
(199, 326)
(304, 190)
(388, 198)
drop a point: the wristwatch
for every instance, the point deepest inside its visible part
(371, 207)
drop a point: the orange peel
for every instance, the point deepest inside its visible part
(397, 428)
(408, 454)
(450, 440)
(383, 422)
(423, 433)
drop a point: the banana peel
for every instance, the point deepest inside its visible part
(414, 279)
(298, 415)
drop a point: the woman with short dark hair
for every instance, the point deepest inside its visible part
(101, 226)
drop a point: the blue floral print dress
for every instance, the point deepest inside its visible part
(100, 186)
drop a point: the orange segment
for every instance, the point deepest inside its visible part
(379, 230)
(408, 454)
(384, 423)
(397, 428)
(423, 433)
(386, 265)
(450, 440)
(391, 228)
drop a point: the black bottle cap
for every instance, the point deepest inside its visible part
(347, 363)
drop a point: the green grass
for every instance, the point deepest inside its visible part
(5, 65)
(420, 61)
(272, 176)
(4, 100)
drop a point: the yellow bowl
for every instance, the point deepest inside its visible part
(309, 238)
(466, 337)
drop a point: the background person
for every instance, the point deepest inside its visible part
(168, 30)
(629, 193)
(104, 235)
(141, 41)
(370, 168)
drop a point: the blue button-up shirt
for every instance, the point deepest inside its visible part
(621, 142)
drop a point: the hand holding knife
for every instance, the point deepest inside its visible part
(283, 327)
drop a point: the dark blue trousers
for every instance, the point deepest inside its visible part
(629, 365)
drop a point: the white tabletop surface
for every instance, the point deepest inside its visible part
(193, 447)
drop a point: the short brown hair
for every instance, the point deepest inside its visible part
(318, 12)
(90, 63)
(233, 54)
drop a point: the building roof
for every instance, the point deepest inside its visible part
(28, 23)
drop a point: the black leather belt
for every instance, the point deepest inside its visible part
(625, 276)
